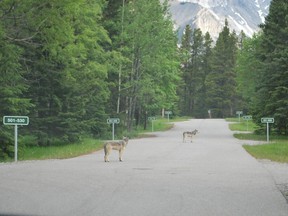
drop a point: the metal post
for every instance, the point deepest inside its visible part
(267, 132)
(112, 131)
(152, 125)
(16, 142)
(246, 125)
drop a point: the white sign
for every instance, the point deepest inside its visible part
(113, 121)
(267, 121)
(248, 117)
(168, 113)
(239, 112)
(151, 118)
(16, 120)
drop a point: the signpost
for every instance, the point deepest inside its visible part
(239, 113)
(247, 118)
(209, 113)
(168, 113)
(113, 121)
(16, 120)
(152, 119)
(267, 121)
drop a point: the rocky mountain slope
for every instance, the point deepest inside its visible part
(209, 15)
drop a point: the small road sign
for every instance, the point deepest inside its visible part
(113, 121)
(248, 117)
(239, 113)
(168, 113)
(267, 120)
(15, 120)
(151, 118)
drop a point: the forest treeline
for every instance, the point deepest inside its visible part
(69, 65)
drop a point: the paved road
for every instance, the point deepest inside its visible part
(159, 176)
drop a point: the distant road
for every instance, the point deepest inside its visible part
(160, 176)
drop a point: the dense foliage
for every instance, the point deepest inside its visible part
(263, 69)
(69, 65)
(208, 74)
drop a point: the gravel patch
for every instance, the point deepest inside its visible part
(279, 172)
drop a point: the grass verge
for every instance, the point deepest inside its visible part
(277, 151)
(243, 125)
(87, 146)
(161, 124)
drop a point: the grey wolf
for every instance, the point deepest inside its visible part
(189, 134)
(115, 145)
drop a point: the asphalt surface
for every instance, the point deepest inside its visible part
(160, 176)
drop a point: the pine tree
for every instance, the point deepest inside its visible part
(272, 92)
(185, 55)
(192, 68)
(220, 83)
(12, 87)
(248, 70)
(12, 83)
(196, 50)
(201, 108)
(66, 66)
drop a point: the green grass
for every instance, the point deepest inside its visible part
(88, 145)
(160, 124)
(243, 125)
(250, 136)
(259, 137)
(232, 119)
(61, 151)
(277, 151)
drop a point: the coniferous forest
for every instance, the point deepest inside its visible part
(71, 64)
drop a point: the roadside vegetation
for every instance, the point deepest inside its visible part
(29, 151)
(241, 125)
(276, 150)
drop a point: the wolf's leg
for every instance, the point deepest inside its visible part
(106, 150)
(120, 155)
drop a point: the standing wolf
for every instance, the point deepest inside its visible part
(115, 145)
(189, 134)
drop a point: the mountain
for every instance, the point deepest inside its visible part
(210, 15)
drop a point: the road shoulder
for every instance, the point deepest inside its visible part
(279, 172)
